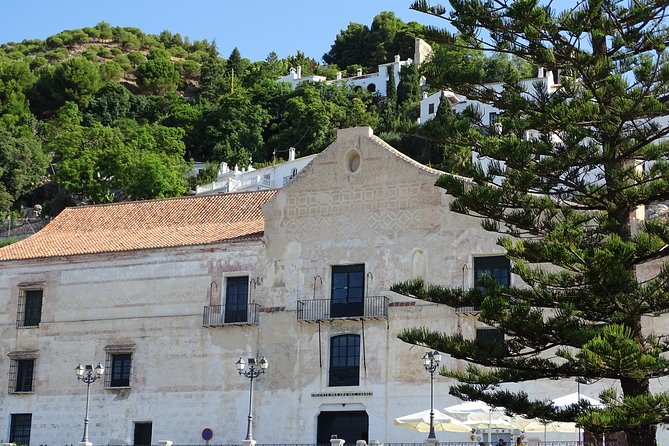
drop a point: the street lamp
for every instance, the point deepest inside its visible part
(85, 374)
(256, 368)
(431, 361)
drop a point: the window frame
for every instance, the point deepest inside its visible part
(489, 335)
(348, 299)
(119, 356)
(22, 367)
(492, 265)
(349, 351)
(240, 313)
(30, 305)
(14, 426)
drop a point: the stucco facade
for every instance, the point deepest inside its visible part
(360, 209)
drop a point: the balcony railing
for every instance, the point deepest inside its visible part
(218, 315)
(373, 307)
(468, 310)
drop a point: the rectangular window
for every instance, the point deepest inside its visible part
(348, 287)
(21, 372)
(489, 336)
(30, 308)
(496, 267)
(430, 108)
(19, 429)
(344, 361)
(492, 118)
(117, 373)
(236, 299)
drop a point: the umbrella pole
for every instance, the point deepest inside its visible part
(490, 427)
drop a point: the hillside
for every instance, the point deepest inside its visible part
(105, 114)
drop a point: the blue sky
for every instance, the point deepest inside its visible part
(255, 27)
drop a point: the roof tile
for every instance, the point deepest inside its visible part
(150, 224)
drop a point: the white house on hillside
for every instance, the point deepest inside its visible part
(429, 105)
(270, 177)
(373, 82)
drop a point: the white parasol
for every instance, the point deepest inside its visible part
(420, 421)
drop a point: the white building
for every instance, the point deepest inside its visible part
(270, 177)
(373, 82)
(169, 294)
(545, 81)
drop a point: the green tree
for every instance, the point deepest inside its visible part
(452, 65)
(443, 134)
(233, 129)
(157, 76)
(76, 80)
(23, 164)
(408, 89)
(100, 164)
(110, 71)
(111, 103)
(349, 46)
(306, 122)
(370, 46)
(15, 79)
(235, 67)
(563, 203)
(212, 79)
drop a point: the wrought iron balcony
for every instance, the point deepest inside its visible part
(468, 310)
(370, 307)
(218, 315)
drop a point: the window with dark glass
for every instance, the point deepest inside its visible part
(19, 428)
(348, 286)
(430, 108)
(21, 375)
(30, 308)
(119, 366)
(496, 267)
(489, 336)
(24, 375)
(236, 299)
(344, 361)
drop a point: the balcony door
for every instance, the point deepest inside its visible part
(348, 290)
(236, 299)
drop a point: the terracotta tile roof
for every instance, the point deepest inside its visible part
(147, 224)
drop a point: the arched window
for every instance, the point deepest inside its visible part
(344, 360)
(371, 88)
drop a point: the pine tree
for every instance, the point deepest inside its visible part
(565, 204)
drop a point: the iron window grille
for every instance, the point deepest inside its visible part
(30, 308)
(21, 375)
(19, 430)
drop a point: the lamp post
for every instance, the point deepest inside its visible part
(85, 374)
(431, 361)
(255, 369)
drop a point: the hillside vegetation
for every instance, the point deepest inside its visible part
(105, 113)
